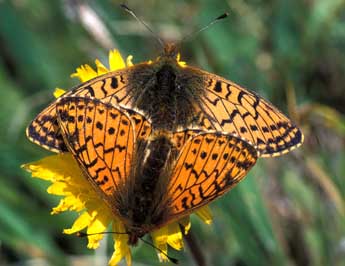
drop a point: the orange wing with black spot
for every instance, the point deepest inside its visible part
(225, 106)
(142, 127)
(179, 138)
(209, 165)
(111, 87)
(101, 137)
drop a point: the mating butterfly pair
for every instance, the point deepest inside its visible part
(149, 179)
(148, 170)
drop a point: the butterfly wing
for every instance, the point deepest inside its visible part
(45, 132)
(111, 87)
(142, 127)
(209, 165)
(101, 138)
(179, 138)
(225, 106)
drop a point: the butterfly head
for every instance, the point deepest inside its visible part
(136, 233)
(133, 239)
(171, 56)
(170, 50)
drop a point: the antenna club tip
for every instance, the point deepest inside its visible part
(124, 6)
(223, 16)
(173, 260)
(81, 234)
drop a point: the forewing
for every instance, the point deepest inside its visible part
(101, 139)
(110, 88)
(228, 107)
(209, 165)
(45, 132)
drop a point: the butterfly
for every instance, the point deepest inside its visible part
(146, 178)
(172, 96)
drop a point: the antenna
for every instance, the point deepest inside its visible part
(130, 11)
(171, 259)
(217, 19)
(82, 234)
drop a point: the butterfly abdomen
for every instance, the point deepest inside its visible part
(147, 181)
(159, 150)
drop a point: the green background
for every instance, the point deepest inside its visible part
(288, 211)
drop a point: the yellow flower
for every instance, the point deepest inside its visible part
(68, 181)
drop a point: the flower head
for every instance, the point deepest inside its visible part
(78, 195)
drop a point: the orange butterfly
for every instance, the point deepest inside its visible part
(173, 95)
(148, 181)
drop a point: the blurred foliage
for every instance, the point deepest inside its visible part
(288, 211)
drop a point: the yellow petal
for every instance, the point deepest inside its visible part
(181, 63)
(61, 207)
(129, 62)
(82, 222)
(54, 168)
(97, 225)
(43, 168)
(121, 248)
(58, 92)
(69, 203)
(101, 69)
(84, 73)
(185, 222)
(97, 205)
(115, 60)
(160, 239)
(37, 171)
(128, 258)
(175, 237)
(57, 188)
(205, 214)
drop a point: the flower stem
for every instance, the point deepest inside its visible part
(194, 248)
